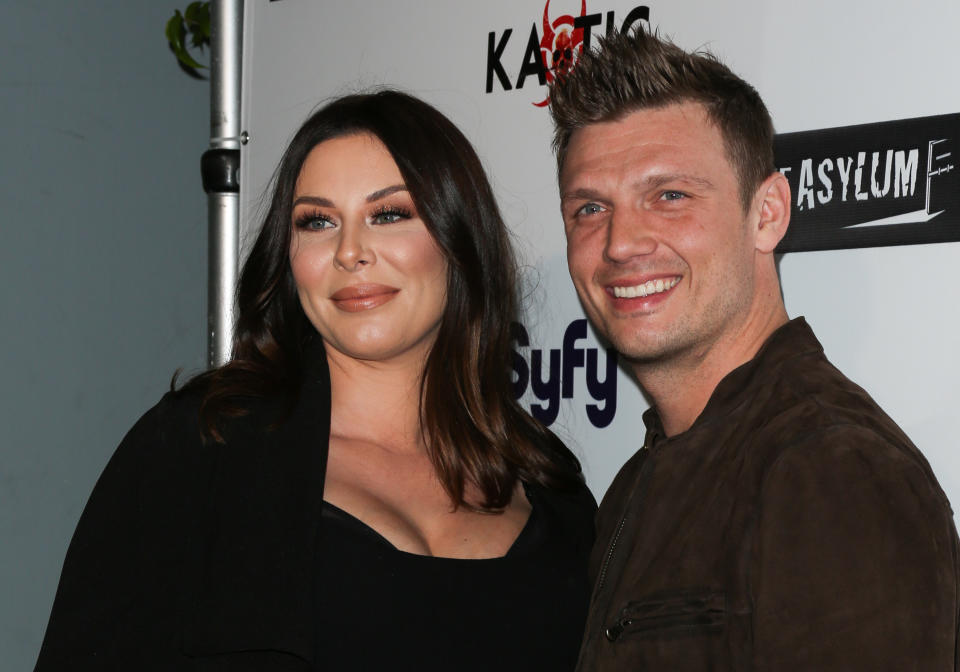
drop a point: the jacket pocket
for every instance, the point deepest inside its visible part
(671, 614)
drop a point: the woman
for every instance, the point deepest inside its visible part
(357, 487)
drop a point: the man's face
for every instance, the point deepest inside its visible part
(659, 247)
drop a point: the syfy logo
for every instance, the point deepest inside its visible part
(887, 183)
(555, 51)
(554, 380)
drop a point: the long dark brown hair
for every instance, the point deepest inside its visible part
(475, 430)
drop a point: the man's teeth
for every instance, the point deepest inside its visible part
(646, 289)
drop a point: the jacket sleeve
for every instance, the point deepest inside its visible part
(854, 565)
(101, 574)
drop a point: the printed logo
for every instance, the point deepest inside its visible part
(556, 51)
(554, 380)
(888, 183)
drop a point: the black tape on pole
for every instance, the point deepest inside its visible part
(220, 170)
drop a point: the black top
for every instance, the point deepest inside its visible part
(201, 556)
(386, 609)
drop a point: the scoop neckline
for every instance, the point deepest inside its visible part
(518, 543)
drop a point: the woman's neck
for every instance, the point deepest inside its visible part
(377, 402)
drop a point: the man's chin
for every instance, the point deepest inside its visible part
(645, 353)
(645, 350)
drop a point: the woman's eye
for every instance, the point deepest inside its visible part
(390, 216)
(386, 218)
(313, 223)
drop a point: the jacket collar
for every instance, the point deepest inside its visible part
(791, 340)
(255, 583)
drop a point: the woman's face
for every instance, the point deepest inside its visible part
(370, 277)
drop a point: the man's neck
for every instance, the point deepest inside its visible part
(681, 386)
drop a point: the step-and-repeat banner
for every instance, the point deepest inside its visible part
(865, 99)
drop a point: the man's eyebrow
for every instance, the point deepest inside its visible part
(386, 191)
(663, 178)
(583, 193)
(648, 182)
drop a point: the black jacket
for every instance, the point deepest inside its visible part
(202, 556)
(189, 550)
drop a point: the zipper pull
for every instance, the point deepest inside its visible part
(614, 631)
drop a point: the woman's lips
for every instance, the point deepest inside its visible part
(357, 298)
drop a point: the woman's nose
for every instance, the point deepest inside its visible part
(353, 247)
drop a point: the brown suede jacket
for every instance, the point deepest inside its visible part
(793, 527)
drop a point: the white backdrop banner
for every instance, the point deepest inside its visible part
(887, 316)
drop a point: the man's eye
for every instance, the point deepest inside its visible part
(590, 209)
(672, 195)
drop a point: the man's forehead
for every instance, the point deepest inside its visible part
(668, 124)
(671, 138)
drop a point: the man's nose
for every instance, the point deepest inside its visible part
(629, 234)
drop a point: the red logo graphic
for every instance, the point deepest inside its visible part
(561, 44)
(554, 52)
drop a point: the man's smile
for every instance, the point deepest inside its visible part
(645, 289)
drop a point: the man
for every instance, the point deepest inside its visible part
(775, 518)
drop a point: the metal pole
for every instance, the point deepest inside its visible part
(220, 166)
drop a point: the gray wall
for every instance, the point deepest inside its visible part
(102, 266)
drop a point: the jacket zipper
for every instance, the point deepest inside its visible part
(710, 616)
(616, 537)
(596, 610)
(613, 545)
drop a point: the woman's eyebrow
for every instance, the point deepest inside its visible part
(386, 191)
(327, 203)
(313, 200)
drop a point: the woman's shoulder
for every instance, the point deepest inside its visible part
(175, 416)
(562, 486)
(164, 441)
(577, 499)
(171, 435)
(574, 508)
(182, 415)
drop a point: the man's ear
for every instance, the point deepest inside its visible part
(772, 205)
